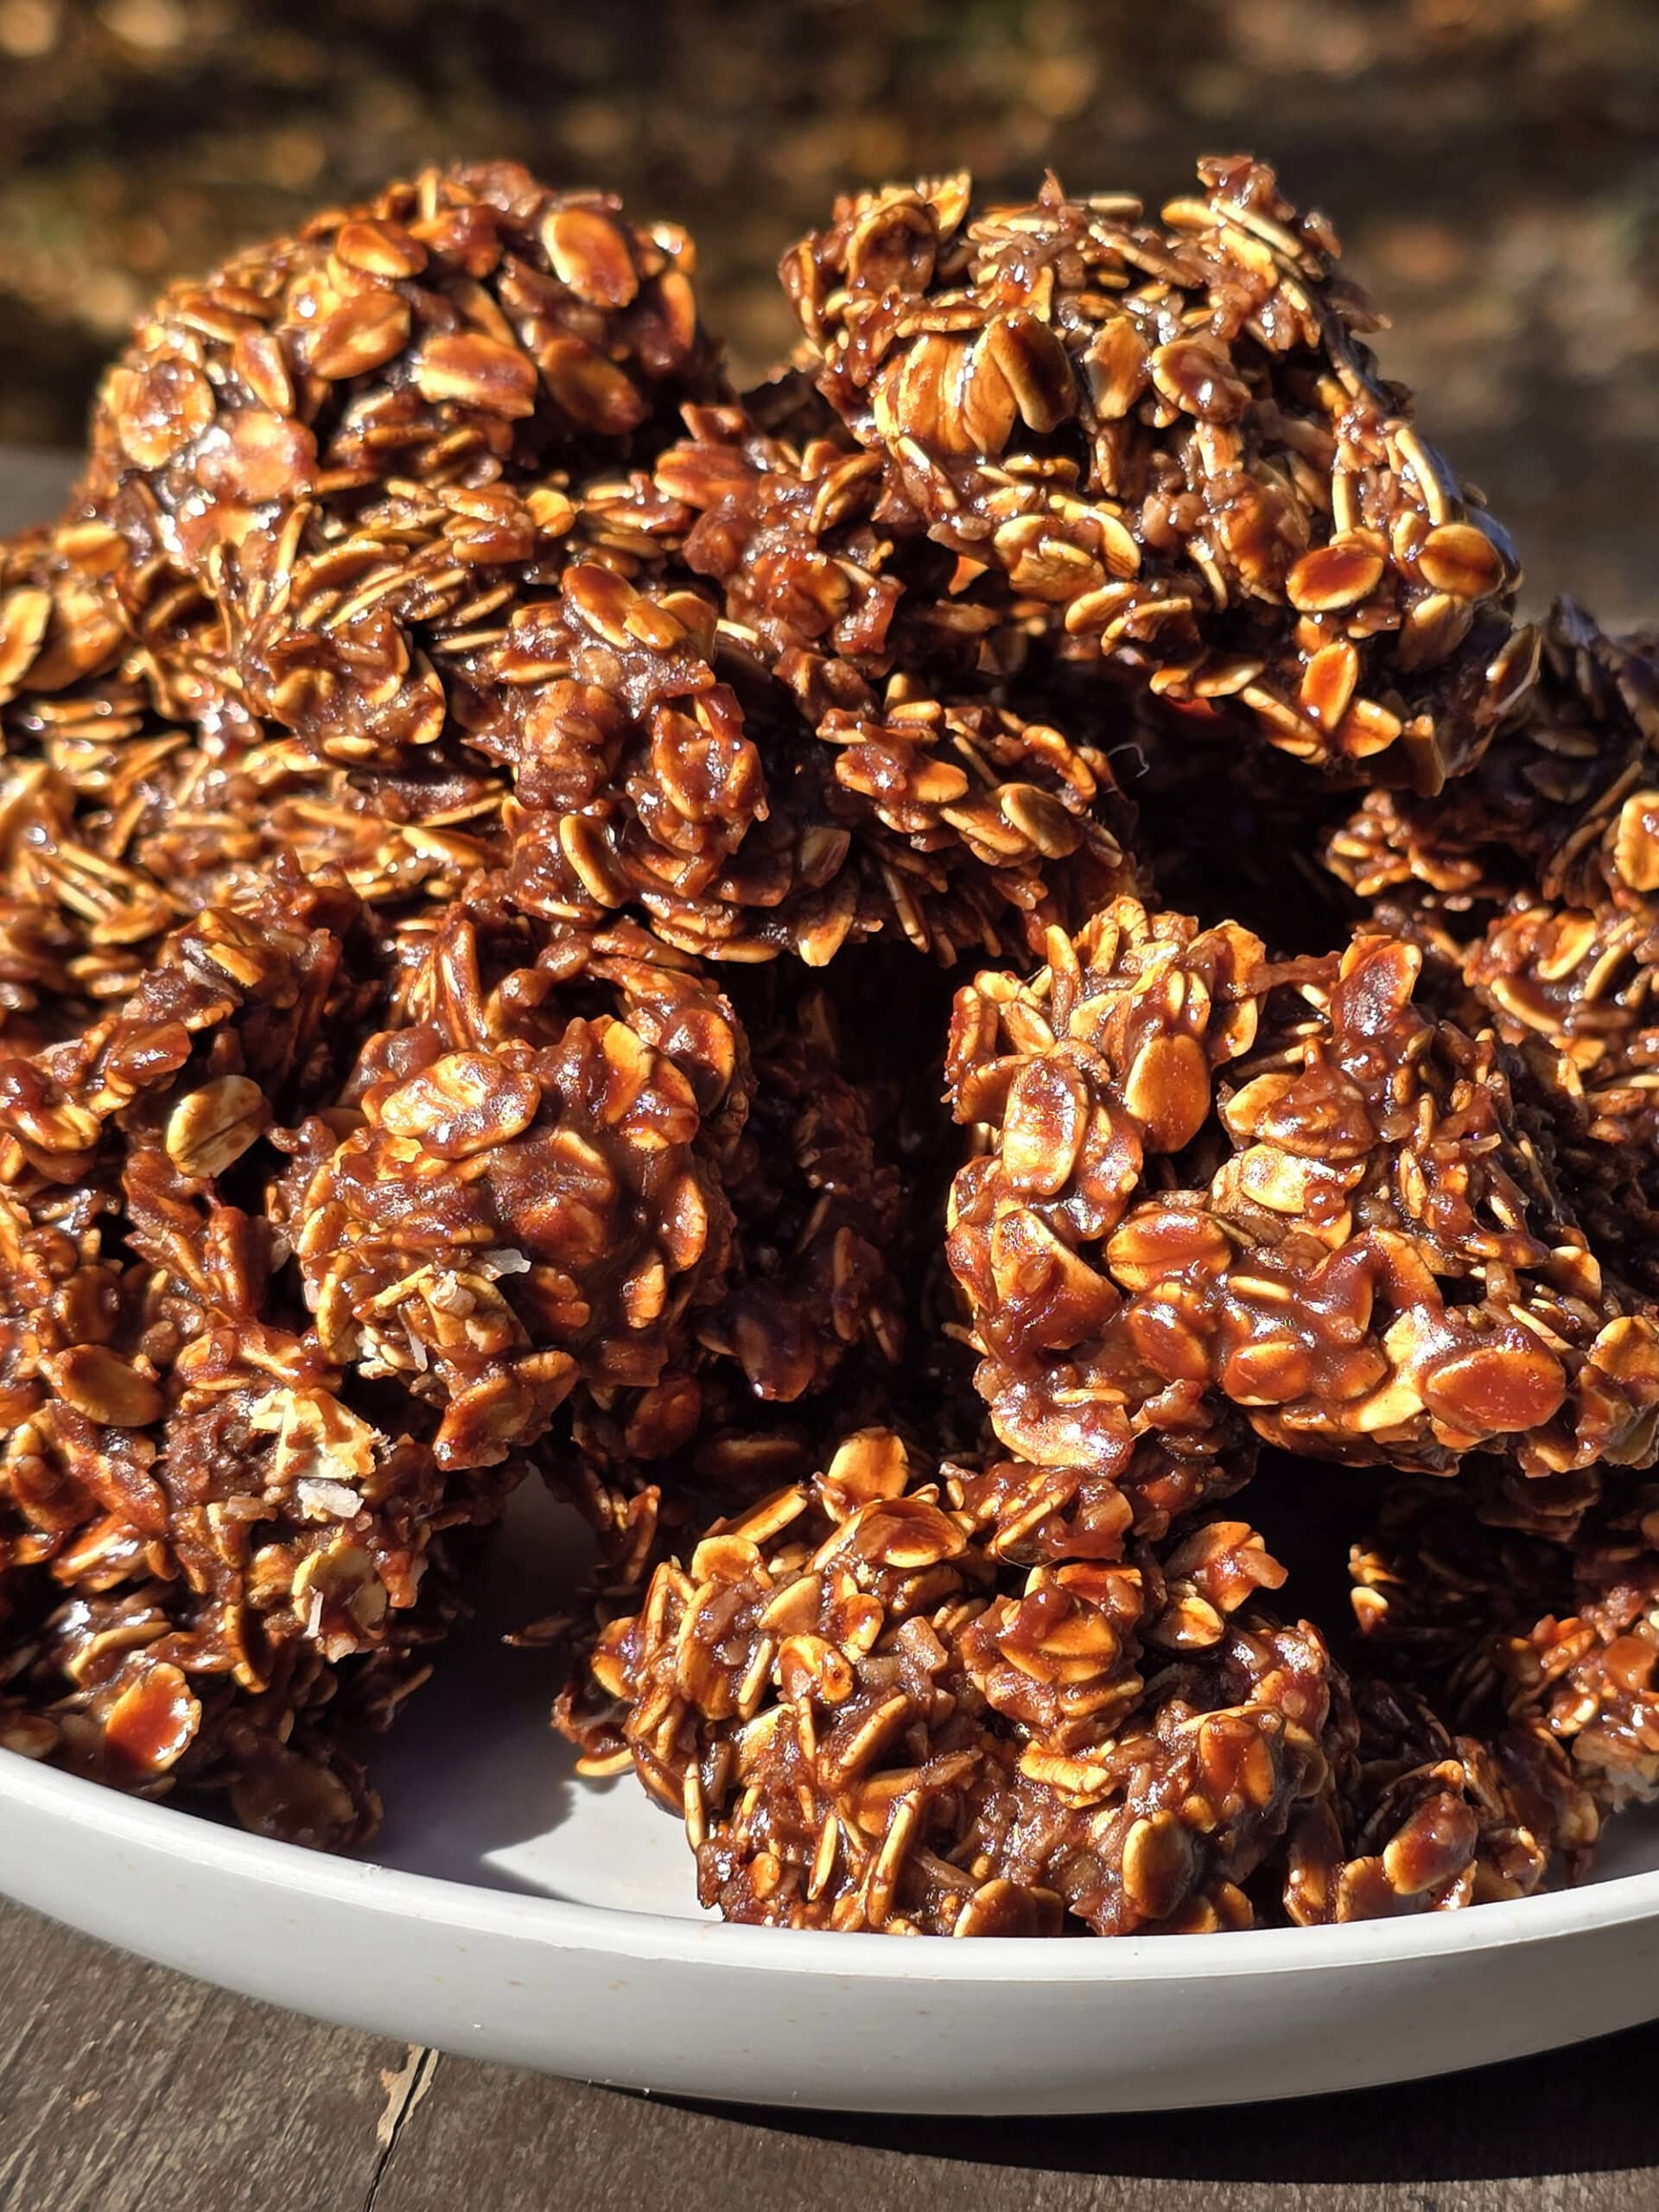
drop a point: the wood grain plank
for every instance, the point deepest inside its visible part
(126, 2088)
(1508, 2140)
(1526, 2133)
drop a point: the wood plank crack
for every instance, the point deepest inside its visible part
(405, 2087)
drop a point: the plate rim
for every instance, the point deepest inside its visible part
(561, 1924)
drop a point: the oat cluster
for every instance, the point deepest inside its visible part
(932, 989)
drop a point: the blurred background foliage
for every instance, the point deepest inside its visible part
(1493, 166)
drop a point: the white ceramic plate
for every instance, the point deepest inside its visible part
(513, 1912)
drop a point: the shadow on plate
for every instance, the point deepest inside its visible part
(473, 1772)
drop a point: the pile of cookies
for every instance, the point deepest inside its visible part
(888, 981)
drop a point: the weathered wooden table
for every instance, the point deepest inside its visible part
(124, 2088)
